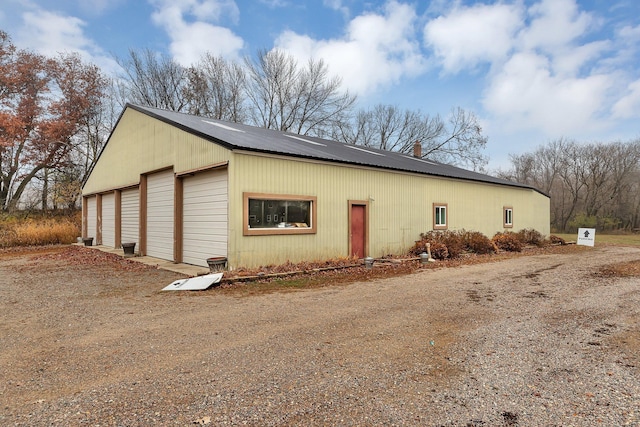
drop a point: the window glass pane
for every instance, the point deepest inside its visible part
(507, 216)
(279, 213)
(441, 215)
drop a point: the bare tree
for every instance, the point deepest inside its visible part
(388, 128)
(286, 97)
(461, 143)
(457, 141)
(216, 89)
(593, 184)
(153, 80)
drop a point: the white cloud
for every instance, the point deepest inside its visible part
(190, 25)
(97, 7)
(630, 33)
(50, 34)
(526, 95)
(555, 24)
(274, 3)
(570, 60)
(628, 106)
(338, 6)
(543, 76)
(468, 36)
(376, 50)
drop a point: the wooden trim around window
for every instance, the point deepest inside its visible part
(504, 216)
(446, 216)
(246, 231)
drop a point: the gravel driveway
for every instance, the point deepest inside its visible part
(530, 341)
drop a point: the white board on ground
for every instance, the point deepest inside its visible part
(199, 283)
(586, 236)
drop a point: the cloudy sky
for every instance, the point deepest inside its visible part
(531, 70)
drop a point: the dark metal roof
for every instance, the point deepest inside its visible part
(236, 136)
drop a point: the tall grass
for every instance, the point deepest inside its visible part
(612, 239)
(38, 230)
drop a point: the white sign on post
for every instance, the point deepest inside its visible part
(586, 236)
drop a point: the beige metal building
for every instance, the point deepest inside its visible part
(186, 188)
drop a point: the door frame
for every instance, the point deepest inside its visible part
(365, 204)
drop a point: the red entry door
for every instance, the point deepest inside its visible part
(358, 231)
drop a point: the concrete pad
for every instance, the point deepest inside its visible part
(186, 269)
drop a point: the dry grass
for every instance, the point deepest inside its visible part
(608, 239)
(621, 269)
(38, 231)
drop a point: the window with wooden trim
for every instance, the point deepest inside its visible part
(278, 214)
(507, 217)
(440, 216)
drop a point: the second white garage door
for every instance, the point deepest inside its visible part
(130, 214)
(109, 220)
(160, 215)
(91, 218)
(204, 217)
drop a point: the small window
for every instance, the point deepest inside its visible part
(278, 214)
(440, 219)
(508, 217)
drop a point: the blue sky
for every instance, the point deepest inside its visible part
(531, 70)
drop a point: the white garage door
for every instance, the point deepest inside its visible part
(91, 218)
(204, 217)
(109, 220)
(160, 215)
(130, 215)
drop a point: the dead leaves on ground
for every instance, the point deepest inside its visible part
(80, 256)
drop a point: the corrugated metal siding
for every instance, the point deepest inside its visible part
(92, 218)
(140, 144)
(400, 204)
(130, 215)
(160, 215)
(109, 220)
(205, 217)
(400, 207)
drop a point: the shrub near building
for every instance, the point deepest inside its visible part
(451, 244)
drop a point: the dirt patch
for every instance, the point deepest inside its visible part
(88, 338)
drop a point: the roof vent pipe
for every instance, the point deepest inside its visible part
(417, 149)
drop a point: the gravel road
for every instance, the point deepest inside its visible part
(530, 341)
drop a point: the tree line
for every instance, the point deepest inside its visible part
(57, 113)
(591, 185)
(273, 90)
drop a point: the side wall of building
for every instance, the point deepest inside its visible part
(400, 207)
